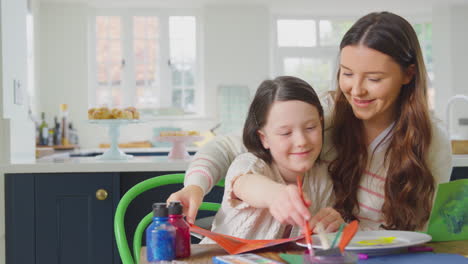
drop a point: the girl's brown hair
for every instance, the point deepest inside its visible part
(409, 186)
(282, 88)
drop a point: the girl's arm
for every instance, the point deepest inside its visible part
(283, 201)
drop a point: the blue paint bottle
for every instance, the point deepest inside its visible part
(160, 236)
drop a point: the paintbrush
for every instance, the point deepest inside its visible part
(348, 233)
(338, 234)
(323, 236)
(308, 233)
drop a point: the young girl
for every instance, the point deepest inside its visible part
(283, 134)
(386, 153)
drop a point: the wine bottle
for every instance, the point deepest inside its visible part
(43, 131)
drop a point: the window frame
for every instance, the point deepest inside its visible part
(328, 52)
(128, 77)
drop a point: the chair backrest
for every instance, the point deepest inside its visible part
(119, 227)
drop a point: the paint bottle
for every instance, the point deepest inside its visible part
(182, 230)
(160, 236)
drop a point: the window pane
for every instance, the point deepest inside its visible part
(296, 33)
(145, 48)
(108, 60)
(317, 72)
(187, 96)
(331, 32)
(182, 45)
(424, 32)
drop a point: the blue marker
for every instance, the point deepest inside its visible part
(160, 236)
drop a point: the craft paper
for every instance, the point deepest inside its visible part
(235, 245)
(292, 258)
(449, 217)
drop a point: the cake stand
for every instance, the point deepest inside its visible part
(178, 150)
(114, 153)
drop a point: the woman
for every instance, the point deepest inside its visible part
(386, 154)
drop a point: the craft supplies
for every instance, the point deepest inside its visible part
(243, 259)
(308, 233)
(348, 233)
(160, 236)
(338, 235)
(182, 229)
(322, 236)
(345, 258)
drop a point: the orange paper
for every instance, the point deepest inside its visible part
(235, 245)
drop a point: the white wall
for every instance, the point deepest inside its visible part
(17, 133)
(236, 48)
(16, 128)
(236, 51)
(228, 59)
(450, 42)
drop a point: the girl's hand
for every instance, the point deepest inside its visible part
(191, 198)
(287, 206)
(330, 219)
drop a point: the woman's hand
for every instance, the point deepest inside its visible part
(191, 197)
(287, 206)
(330, 219)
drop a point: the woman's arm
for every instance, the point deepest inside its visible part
(209, 166)
(212, 161)
(439, 157)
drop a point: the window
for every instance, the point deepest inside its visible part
(308, 48)
(147, 61)
(424, 32)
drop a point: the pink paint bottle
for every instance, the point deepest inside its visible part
(182, 230)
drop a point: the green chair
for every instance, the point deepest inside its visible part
(119, 228)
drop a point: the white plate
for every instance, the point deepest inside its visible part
(403, 240)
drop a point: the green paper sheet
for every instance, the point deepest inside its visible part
(292, 258)
(449, 217)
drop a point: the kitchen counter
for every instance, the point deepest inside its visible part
(137, 163)
(91, 164)
(460, 160)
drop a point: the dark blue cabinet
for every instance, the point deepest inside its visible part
(57, 218)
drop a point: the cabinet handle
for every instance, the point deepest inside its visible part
(101, 194)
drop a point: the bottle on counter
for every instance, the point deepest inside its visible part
(182, 228)
(72, 134)
(160, 236)
(43, 131)
(64, 124)
(50, 139)
(57, 132)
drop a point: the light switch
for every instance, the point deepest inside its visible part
(17, 92)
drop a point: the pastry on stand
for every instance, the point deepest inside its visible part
(179, 140)
(114, 153)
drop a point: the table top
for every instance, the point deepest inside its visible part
(203, 253)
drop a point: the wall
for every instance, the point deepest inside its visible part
(227, 59)
(17, 133)
(450, 42)
(16, 127)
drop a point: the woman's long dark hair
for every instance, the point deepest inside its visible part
(409, 186)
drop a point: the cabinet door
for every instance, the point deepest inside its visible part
(72, 224)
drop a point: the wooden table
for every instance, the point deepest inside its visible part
(204, 253)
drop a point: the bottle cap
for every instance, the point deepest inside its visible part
(175, 208)
(160, 210)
